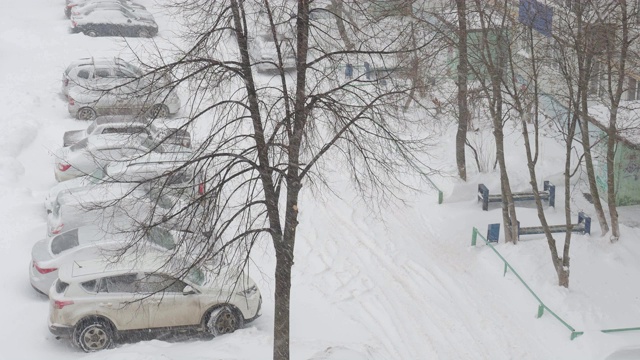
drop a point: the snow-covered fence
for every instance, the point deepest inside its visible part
(541, 305)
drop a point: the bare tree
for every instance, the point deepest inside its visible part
(464, 116)
(270, 122)
(618, 42)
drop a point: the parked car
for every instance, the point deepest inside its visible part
(90, 242)
(100, 72)
(114, 22)
(93, 152)
(124, 203)
(94, 302)
(98, 205)
(127, 99)
(262, 50)
(166, 170)
(129, 125)
(133, 8)
(77, 182)
(70, 4)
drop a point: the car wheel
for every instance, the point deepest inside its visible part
(91, 32)
(93, 335)
(223, 320)
(144, 33)
(158, 111)
(86, 113)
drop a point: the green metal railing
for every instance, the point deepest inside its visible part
(440, 194)
(541, 306)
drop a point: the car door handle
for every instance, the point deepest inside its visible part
(106, 304)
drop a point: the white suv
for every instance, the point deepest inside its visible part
(93, 301)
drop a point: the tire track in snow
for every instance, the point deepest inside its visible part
(417, 303)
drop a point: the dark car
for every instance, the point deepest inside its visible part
(114, 22)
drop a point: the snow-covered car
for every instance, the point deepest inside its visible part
(132, 8)
(121, 203)
(128, 99)
(99, 72)
(262, 50)
(114, 22)
(128, 125)
(70, 4)
(90, 242)
(93, 152)
(166, 169)
(95, 301)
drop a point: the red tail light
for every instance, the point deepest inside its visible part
(201, 189)
(57, 229)
(63, 167)
(74, 23)
(43, 271)
(71, 101)
(59, 304)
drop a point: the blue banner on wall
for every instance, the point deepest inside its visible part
(536, 15)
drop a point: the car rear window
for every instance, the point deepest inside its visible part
(90, 286)
(162, 238)
(61, 286)
(84, 74)
(64, 241)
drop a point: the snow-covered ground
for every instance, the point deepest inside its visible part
(399, 283)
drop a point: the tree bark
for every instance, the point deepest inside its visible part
(464, 117)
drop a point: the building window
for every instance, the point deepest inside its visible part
(633, 90)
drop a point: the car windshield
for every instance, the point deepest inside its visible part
(161, 237)
(64, 241)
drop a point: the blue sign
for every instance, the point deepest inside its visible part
(536, 15)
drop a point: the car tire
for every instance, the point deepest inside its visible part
(158, 111)
(86, 113)
(91, 33)
(144, 33)
(93, 335)
(223, 320)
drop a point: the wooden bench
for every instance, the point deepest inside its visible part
(548, 193)
(583, 226)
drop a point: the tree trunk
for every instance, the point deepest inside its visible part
(338, 9)
(611, 188)
(463, 106)
(281, 323)
(508, 207)
(588, 161)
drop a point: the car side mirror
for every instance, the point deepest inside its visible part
(188, 290)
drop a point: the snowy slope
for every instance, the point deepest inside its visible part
(398, 283)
